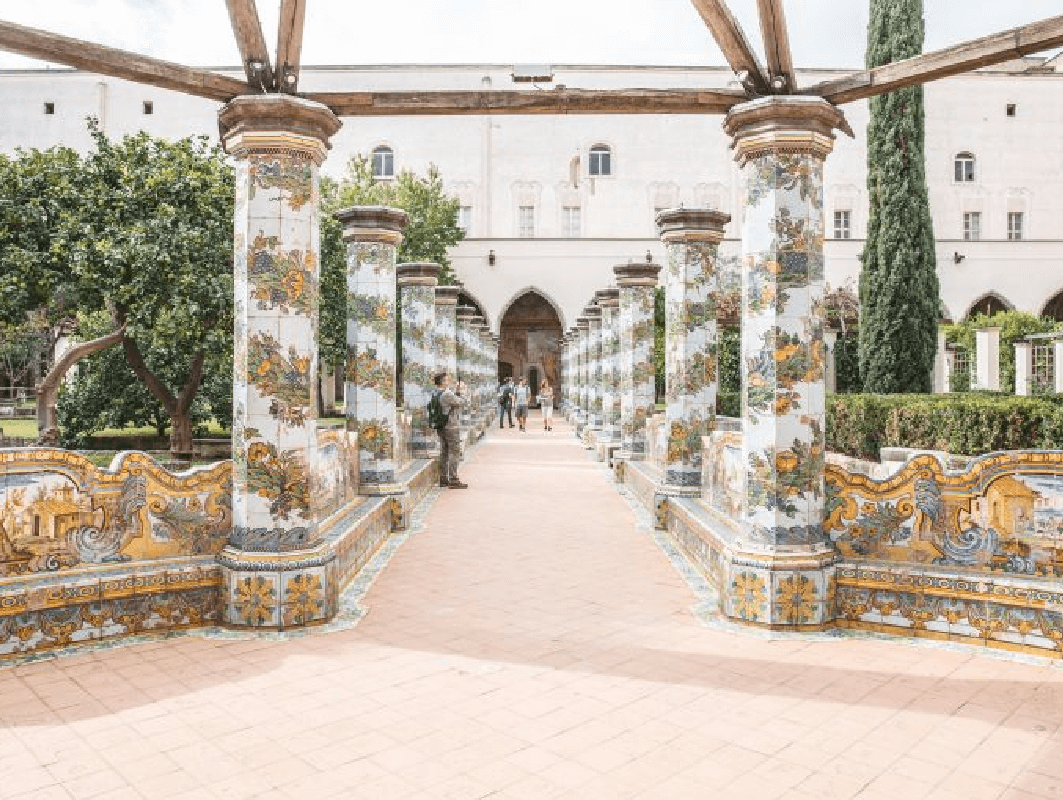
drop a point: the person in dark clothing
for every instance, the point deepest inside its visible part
(505, 402)
(452, 402)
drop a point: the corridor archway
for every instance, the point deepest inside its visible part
(530, 330)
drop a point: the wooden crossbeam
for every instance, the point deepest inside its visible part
(117, 63)
(776, 43)
(733, 43)
(984, 52)
(243, 14)
(552, 101)
(290, 44)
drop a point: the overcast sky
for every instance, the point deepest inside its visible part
(824, 33)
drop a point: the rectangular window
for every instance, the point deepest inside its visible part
(1014, 225)
(843, 225)
(570, 222)
(526, 222)
(49, 108)
(465, 218)
(149, 107)
(972, 226)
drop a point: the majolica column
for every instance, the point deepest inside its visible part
(593, 315)
(692, 238)
(464, 316)
(583, 383)
(783, 574)
(372, 234)
(486, 384)
(278, 143)
(417, 284)
(609, 302)
(446, 330)
(637, 283)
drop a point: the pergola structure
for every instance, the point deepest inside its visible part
(781, 134)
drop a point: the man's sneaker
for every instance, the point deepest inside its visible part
(444, 482)
(458, 485)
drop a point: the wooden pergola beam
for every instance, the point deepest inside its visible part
(290, 44)
(776, 42)
(117, 63)
(243, 14)
(732, 43)
(965, 57)
(554, 101)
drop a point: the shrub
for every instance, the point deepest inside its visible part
(1013, 325)
(969, 424)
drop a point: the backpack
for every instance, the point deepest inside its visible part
(507, 396)
(436, 418)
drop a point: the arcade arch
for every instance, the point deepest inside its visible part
(530, 327)
(989, 304)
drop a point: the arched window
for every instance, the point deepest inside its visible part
(989, 305)
(383, 162)
(601, 160)
(1054, 308)
(964, 168)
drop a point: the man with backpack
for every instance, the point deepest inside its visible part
(444, 415)
(505, 402)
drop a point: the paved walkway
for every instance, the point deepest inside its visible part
(531, 643)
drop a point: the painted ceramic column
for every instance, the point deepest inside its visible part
(572, 337)
(372, 234)
(417, 284)
(276, 315)
(446, 330)
(637, 284)
(609, 302)
(487, 399)
(691, 237)
(782, 573)
(464, 316)
(476, 332)
(594, 366)
(583, 384)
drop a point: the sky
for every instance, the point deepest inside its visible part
(824, 33)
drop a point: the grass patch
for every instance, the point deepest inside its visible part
(24, 428)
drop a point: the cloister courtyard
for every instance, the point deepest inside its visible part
(531, 637)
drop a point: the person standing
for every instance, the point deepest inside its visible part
(451, 403)
(505, 402)
(546, 403)
(521, 396)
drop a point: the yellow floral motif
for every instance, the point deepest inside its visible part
(305, 599)
(747, 595)
(796, 597)
(254, 600)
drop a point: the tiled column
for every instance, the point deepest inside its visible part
(278, 143)
(691, 237)
(1057, 352)
(372, 233)
(446, 331)
(572, 337)
(487, 402)
(609, 302)
(594, 366)
(582, 384)
(637, 283)
(781, 572)
(416, 283)
(464, 316)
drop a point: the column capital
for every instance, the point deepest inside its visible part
(466, 313)
(277, 123)
(592, 313)
(636, 274)
(417, 273)
(372, 224)
(582, 323)
(692, 225)
(784, 124)
(608, 298)
(478, 321)
(447, 295)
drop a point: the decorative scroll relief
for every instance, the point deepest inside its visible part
(58, 510)
(1003, 514)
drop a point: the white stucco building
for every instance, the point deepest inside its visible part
(551, 203)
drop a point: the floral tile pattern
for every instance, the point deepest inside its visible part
(637, 387)
(784, 398)
(610, 383)
(418, 324)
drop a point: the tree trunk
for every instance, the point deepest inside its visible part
(177, 407)
(48, 389)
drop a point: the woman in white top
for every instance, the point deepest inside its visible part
(546, 402)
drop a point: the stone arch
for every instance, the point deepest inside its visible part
(519, 294)
(991, 303)
(1053, 307)
(465, 297)
(530, 325)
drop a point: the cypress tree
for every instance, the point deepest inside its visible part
(899, 303)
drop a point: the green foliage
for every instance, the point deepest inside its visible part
(1013, 325)
(967, 424)
(658, 341)
(899, 292)
(847, 362)
(332, 324)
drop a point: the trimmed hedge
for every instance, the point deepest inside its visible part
(966, 424)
